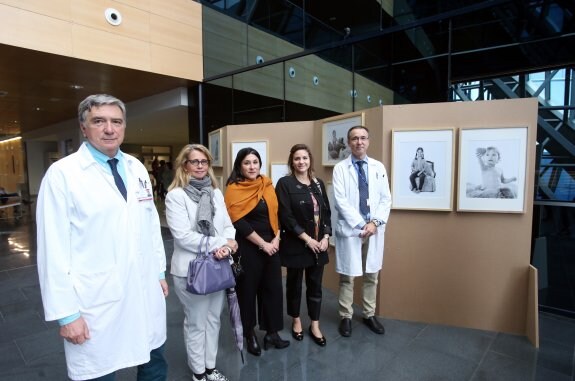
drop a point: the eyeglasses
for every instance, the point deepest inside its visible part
(197, 162)
(356, 139)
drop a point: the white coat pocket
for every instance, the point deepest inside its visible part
(96, 289)
(343, 229)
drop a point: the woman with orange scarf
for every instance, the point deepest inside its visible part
(253, 209)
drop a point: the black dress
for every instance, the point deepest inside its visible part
(261, 282)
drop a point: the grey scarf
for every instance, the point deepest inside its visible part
(202, 193)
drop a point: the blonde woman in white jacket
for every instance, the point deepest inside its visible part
(194, 209)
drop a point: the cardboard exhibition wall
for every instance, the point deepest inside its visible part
(467, 269)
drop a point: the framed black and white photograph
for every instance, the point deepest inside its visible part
(422, 169)
(334, 146)
(259, 145)
(278, 170)
(334, 213)
(492, 170)
(220, 181)
(215, 147)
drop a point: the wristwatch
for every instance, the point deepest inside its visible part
(376, 222)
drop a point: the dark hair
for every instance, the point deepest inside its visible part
(236, 175)
(292, 152)
(357, 128)
(422, 154)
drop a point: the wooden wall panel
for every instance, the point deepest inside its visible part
(59, 9)
(174, 34)
(34, 31)
(532, 318)
(185, 11)
(110, 48)
(144, 5)
(135, 22)
(175, 62)
(78, 29)
(230, 45)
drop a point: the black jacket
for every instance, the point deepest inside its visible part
(296, 216)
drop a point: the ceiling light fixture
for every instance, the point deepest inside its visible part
(10, 139)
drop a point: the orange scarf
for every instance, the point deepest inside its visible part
(242, 197)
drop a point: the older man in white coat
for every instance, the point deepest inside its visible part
(363, 202)
(101, 259)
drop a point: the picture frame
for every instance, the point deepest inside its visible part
(278, 170)
(492, 170)
(259, 145)
(334, 146)
(422, 168)
(334, 213)
(215, 147)
(220, 181)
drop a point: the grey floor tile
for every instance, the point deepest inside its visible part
(543, 374)
(9, 357)
(52, 368)
(470, 344)
(21, 327)
(557, 328)
(514, 346)
(556, 357)
(11, 296)
(500, 367)
(34, 347)
(422, 363)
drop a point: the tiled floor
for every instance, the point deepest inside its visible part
(30, 348)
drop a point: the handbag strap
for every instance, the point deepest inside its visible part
(204, 252)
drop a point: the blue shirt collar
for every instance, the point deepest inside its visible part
(354, 160)
(100, 157)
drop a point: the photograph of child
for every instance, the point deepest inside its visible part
(421, 170)
(493, 184)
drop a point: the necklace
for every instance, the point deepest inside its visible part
(304, 180)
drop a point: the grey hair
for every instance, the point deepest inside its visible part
(98, 100)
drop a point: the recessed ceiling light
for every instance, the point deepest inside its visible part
(38, 109)
(76, 87)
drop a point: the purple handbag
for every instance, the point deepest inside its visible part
(207, 274)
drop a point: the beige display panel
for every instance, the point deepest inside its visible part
(455, 268)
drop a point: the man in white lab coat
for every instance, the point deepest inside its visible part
(101, 259)
(363, 202)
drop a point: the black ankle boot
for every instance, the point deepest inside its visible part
(253, 345)
(273, 339)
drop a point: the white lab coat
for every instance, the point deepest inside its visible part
(346, 194)
(181, 215)
(102, 256)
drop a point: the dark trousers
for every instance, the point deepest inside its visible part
(154, 370)
(421, 180)
(260, 291)
(313, 292)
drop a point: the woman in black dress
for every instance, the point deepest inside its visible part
(252, 205)
(305, 220)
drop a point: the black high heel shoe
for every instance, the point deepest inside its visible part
(296, 335)
(321, 341)
(253, 345)
(273, 339)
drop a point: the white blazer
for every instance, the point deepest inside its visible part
(181, 216)
(346, 194)
(102, 256)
